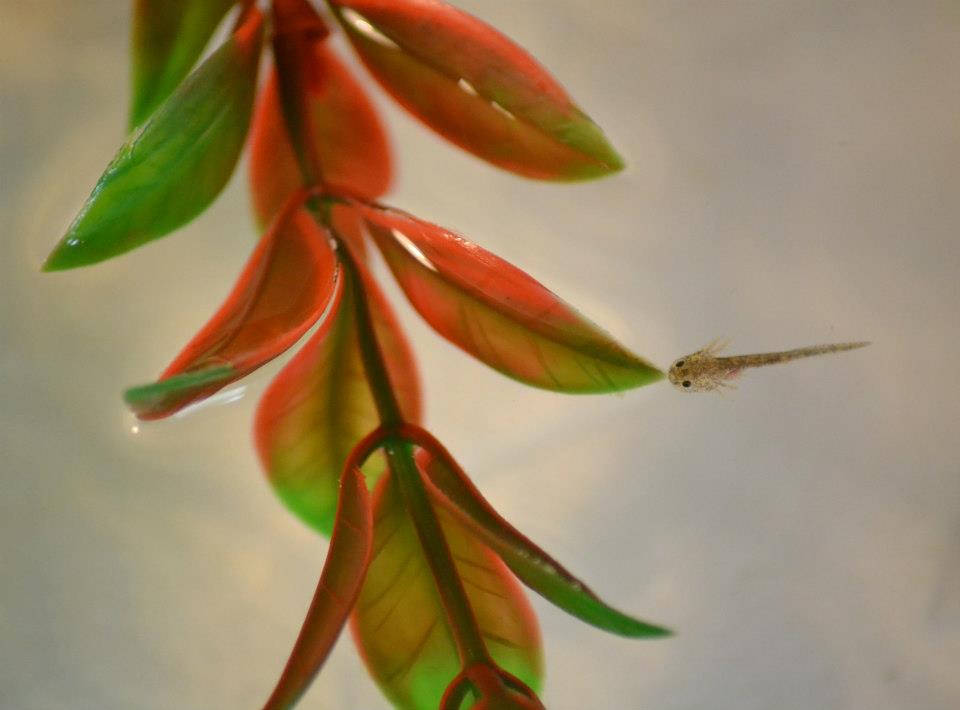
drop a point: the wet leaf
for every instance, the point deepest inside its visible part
(340, 583)
(400, 624)
(351, 146)
(282, 291)
(476, 88)
(168, 38)
(532, 565)
(498, 313)
(172, 167)
(320, 405)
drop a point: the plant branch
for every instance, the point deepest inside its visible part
(470, 646)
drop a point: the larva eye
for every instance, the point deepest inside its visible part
(678, 363)
(686, 383)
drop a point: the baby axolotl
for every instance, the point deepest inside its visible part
(704, 371)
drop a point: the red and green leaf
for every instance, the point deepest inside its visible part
(283, 289)
(532, 565)
(175, 164)
(400, 624)
(499, 314)
(339, 586)
(168, 38)
(320, 405)
(477, 88)
(343, 130)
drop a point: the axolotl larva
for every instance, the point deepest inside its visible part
(703, 371)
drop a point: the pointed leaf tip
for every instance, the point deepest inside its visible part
(155, 400)
(534, 567)
(477, 88)
(174, 165)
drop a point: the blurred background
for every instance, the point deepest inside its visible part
(793, 175)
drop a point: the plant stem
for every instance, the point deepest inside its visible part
(373, 361)
(469, 641)
(456, 604)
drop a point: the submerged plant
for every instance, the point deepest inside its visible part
(421, 563)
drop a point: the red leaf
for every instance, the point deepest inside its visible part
(352, 147)
(282, 291)
(400, 624)
(339, 586)
(320, 405)
(476, 87)
(499, 314)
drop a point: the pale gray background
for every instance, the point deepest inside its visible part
(793, 179)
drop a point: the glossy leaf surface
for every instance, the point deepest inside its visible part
(282, 291)
(498, 313)
(351, 145)
(477, 88)
(532, 565)
(168, 38)
(172, 167)
(340, 583)
(400, 624)
(320, 405)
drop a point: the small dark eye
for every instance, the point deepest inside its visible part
(686, 383)
(679, 363)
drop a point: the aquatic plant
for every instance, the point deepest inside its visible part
(419, 560)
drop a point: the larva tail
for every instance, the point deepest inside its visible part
(831, 348)
(761, 359)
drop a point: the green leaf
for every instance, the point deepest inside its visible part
(533, 566)
(168, 38)
(173, 166)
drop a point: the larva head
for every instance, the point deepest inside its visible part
(696, 372)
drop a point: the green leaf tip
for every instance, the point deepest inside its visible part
(60, 259)
(587, 137)
(152, 400)
(641, 629)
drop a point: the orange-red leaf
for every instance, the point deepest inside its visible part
(352, 147)
(400, 624)
(282, 291)
(477, 88)
(498, 313)
(320, 406)
(338, 588)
